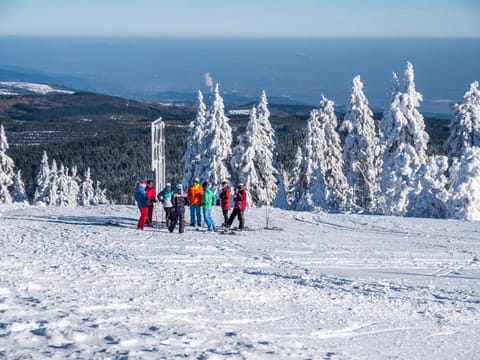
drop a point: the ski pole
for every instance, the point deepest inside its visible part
(156, 217)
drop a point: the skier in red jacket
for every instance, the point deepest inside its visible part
(151, 199)
(225, 202)
(240, 204)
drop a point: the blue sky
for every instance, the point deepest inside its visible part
(256, 18)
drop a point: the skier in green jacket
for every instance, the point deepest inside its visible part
(208, 200)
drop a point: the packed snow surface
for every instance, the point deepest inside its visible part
(326, 287)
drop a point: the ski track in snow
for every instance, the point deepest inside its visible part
(328, 286)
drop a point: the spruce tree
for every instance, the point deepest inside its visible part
(66, 186)
(465, 125)
(360, 150)
(464, 200)
(281, 200)
(86, 191)
(63, 195)
(18, 192)
(334, 177)
(266, 153)
(429, 196)
(311, 180)
(53, 198)
(42, 183)
(292, 178)
(253, 158)
(99, 195)
(244, 157)
(194, 150)
(217, 143)
(404, 146)
(7, 172)
(73, 186)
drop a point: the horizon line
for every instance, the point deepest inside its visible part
(246, 37)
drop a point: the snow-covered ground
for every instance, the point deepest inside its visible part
(15, 88)
(326, 287)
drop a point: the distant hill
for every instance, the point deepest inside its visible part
(78, 114)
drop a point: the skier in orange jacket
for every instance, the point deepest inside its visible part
(195, 194)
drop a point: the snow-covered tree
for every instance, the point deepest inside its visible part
(73, 186)
(59, 186)
(253, 157)
(464, 201)
(99, 195)
(217, 143)
(244, 157)
(395, 86)
(263, 115)
(394, 90)
(465, 125)
(292, 179)
(311, 179)
(67, 188)
(86, 191)
(281, 200)
(267, 154)
(429, 196)
(360, 150)
(7, 171)
(63, 197)
(404, 146)
(42, 183)
(334, 176)
(194, 151)
(53, 185)
(18, 192)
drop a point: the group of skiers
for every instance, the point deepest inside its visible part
(200, 199)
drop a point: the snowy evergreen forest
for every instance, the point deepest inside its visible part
(354, 165)
(55, 185)
(382, 169)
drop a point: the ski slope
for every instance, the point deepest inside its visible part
(326, 287)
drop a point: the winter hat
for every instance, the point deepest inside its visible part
(179, 186)
(168, 185)
(143, 183)
(197, 180)
(224, 182)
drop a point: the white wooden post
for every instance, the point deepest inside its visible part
(158, 153)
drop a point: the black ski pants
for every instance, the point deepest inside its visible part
(178, 216)
(168, 215)
(225, 215)
(241, 218)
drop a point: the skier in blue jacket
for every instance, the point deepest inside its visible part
(141, 199)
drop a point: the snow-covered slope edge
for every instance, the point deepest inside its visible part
(327, 286)
(25, 88)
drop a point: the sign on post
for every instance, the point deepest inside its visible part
(158, 153)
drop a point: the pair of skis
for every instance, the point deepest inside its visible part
(131, 226)
(219, 230)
